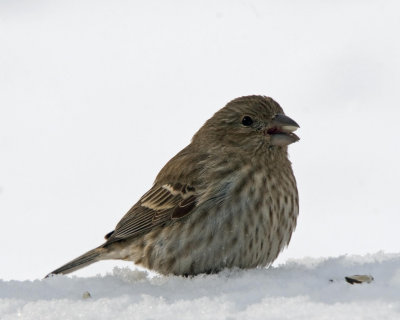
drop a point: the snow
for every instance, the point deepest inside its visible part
(299, 289)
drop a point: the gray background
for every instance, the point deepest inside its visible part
(95, 97)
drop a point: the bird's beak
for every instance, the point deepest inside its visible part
(281, 130)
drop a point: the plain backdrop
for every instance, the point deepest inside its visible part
(96, 96)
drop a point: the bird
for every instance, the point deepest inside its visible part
(229, 199)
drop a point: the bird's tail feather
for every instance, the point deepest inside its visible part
(84, 260)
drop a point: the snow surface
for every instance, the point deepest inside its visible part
(299, 289)
(96, 96)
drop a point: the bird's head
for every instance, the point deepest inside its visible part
(250, 123)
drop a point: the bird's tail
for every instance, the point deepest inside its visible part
(84, 260)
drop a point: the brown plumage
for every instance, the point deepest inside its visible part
(229, 199)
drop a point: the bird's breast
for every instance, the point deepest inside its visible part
(260, 216)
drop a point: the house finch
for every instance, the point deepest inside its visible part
(229, 199)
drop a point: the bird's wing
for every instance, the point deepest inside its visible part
(158, 206)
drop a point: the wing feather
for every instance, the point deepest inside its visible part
(161, 204)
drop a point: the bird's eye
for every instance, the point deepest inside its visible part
(247, 121)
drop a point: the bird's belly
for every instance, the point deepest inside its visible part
(239, 237)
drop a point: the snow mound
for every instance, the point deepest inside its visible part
(299, 289)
